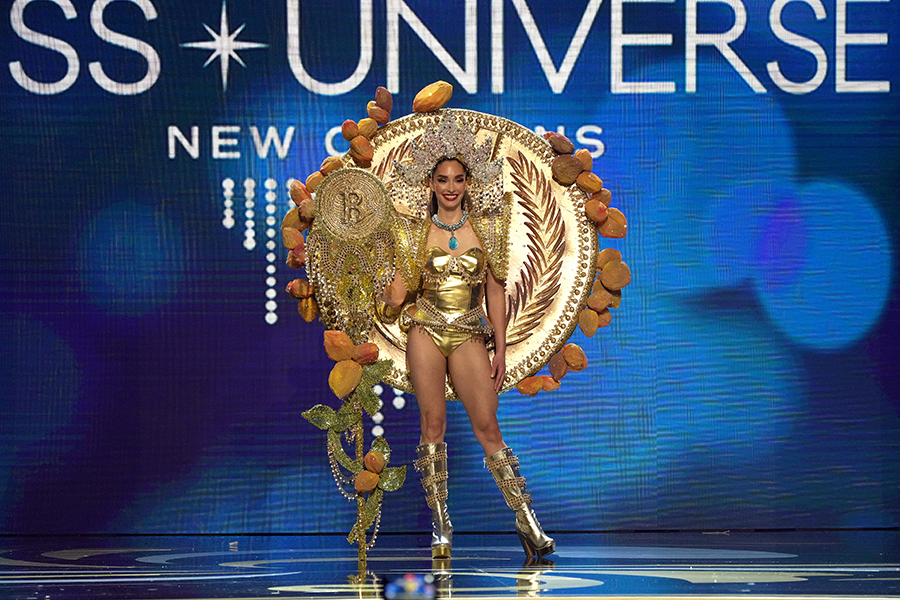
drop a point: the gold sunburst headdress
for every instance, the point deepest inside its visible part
(449, 140)
(451, 137)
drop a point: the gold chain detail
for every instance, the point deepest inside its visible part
(434, 478)
(434, 499)
(518, 482)
(517, 502)
(507, 461)
(460, 322)
(426, 460)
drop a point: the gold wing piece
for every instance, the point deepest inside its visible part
(410, 238)
(350, 250)
(492, 229)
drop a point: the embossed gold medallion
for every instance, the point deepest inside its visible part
(552, 246)
(351, 204)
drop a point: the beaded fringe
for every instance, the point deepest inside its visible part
(462, 323)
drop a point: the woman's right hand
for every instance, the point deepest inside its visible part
(395, 293)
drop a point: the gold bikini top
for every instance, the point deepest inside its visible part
(440, 266)
(454, 284)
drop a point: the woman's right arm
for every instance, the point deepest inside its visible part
(395, 293)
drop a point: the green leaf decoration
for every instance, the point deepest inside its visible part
(368, 516)
(373, 507)
(371, 375)
(368, 399)
(347, 415)
(363, 398)
(376, 372)
(321, 416)
(381, 445)
(334, 442)
(392, 478)
(355, 532)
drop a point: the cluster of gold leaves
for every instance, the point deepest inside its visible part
(546, 235)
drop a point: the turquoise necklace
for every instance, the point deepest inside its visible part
(454, 243)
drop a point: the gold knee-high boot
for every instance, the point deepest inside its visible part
(432, 464)
(504, 466)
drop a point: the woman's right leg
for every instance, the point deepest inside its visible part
(427, 369)
(427, 366)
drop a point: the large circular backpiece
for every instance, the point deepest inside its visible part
(553, 247)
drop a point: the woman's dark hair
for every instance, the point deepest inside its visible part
(465, 198)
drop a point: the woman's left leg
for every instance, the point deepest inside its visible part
(470, 371)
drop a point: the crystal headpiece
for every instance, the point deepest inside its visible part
(449, 140)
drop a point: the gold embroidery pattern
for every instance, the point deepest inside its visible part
(410, 237)
(492, 230)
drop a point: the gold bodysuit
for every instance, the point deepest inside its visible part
(449, 305)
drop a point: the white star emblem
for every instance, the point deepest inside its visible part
(224, 45)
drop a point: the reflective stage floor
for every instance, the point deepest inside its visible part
(795, 564)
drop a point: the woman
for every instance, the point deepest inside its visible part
(449, 335)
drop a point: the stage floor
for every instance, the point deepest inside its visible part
(795, 564)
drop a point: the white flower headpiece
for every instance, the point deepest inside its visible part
(449, 140)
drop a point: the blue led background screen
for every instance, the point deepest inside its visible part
(154, 371)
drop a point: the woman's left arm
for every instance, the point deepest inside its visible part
(496, 309)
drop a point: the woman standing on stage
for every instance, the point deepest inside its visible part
(447, 266)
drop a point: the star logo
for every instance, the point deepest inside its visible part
(224, 45)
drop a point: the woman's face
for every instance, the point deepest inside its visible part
(449, 184)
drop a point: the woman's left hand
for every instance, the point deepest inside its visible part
(498, 370)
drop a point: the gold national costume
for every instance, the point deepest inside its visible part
(373, 222)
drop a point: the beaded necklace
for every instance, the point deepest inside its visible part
(454, 243)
